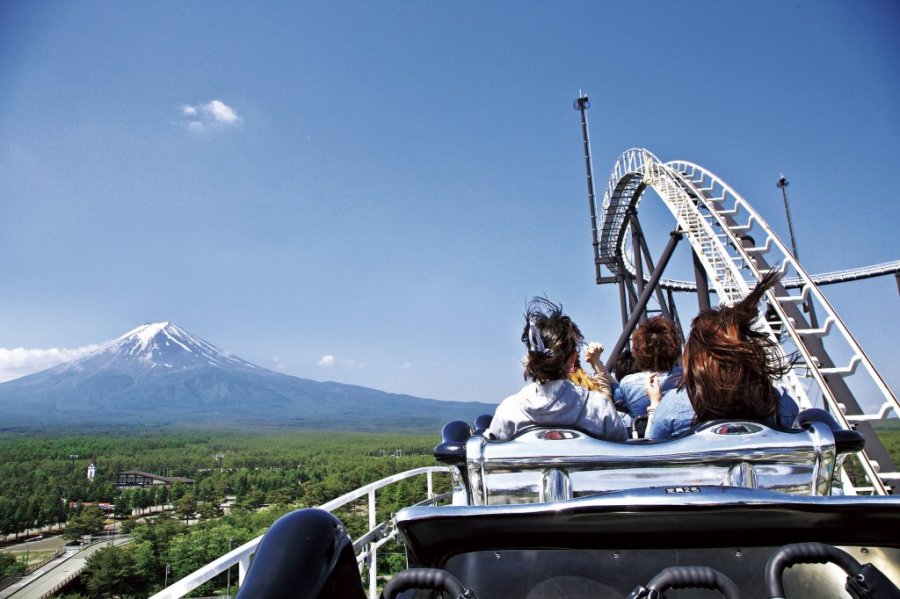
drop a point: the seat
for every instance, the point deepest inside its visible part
(545, 464)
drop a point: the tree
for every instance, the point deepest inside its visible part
(123, 504)
(128, 525)
(252, 500)
(209, 510)
(85, 521)
(110, 571)
(186, 506)
(10, 565)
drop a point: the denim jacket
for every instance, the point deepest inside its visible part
(630, 395)
(675, 414)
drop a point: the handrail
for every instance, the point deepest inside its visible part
(241, 555)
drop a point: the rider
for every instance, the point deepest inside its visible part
(729, 368)
(553, 341)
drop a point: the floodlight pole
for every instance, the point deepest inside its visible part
(581, 105)
(782, 185)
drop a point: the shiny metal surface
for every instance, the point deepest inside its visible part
(555, 486)
(676, 497)
(605, 545)
(536, 467)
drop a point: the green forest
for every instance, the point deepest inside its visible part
(261, 474)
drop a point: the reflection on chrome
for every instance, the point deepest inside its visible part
(555, 464)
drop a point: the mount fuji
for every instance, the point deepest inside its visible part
(160, 374)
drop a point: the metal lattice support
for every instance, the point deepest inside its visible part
(718, 223)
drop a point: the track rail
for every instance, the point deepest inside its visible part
(821, 279)
(718, 223)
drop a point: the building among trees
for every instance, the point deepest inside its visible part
(132, 479)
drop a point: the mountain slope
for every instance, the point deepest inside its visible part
(159, 374)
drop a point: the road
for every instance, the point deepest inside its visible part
(42, 580)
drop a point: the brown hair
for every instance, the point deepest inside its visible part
(546, 326)
(624, 364)
(656, 345)
(729, 366)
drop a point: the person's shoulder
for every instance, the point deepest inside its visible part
(511, 400)
(565, 387)
(633, 378)
(673, 400)
(599, 397)
(634, 383)
(785, 401)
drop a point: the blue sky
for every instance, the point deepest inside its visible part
(369, 192)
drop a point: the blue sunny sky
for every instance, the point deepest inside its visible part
(369, 192)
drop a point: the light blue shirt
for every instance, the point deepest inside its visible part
(675, 414)
(631, 396)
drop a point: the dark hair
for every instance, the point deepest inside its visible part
(656, 345)
(556, 333)
(729, 366)
(624, 364)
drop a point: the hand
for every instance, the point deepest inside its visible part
(651, 387)
(592, 353)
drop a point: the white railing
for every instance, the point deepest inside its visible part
(366, 546)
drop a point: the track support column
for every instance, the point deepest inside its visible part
(638, 309)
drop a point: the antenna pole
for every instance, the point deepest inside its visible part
(581, 105)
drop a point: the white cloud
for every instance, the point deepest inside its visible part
(18, 362)
(327, 360)
(221, 112)
(214, 114)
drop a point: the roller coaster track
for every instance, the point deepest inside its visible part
(735, 248)
(825, 278)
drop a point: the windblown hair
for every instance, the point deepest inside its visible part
(581, 378)
(624, 364)
(728, 366)
(656, 345)
(556, 334)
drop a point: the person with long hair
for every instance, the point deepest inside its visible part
(601, 380)
(550, 399)
(729, 370)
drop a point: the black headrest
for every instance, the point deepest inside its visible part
(845, 441)
(452, 449)
(482, 423)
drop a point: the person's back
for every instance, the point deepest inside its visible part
(550, 399)
(631, 393)
(729, 369)
(675, 414)
(557, 403)
(656, 346)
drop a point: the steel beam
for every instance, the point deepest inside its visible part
(638, 309)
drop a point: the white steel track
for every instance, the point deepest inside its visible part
(716, 221)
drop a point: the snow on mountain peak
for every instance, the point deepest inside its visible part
(167, 345)
(146, 332)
